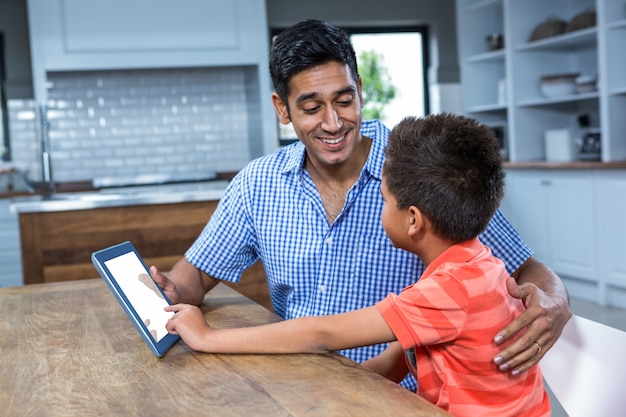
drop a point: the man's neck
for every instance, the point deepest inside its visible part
(333, 183)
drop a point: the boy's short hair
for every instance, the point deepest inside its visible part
(305, 45)
(449, 167)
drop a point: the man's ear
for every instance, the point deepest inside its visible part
(281, 109)
(360, 90)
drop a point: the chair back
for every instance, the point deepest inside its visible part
(586, 369)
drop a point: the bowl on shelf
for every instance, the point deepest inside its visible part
(582, 20)
(552, 26)
(558, 85)
(586, 84)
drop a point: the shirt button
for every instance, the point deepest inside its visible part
(329, 240)
(322, 288)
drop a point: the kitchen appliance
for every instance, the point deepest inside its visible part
(590, 141)
(590, 145)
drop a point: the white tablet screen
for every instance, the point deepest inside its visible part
(141, 291)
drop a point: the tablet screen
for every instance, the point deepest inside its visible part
(141, 291)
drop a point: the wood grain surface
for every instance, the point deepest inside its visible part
(67, 349)
(57, 246)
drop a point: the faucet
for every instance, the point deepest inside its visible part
(47, 184)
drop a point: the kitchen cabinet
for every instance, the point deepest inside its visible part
(573, 220)
(76, 36)
(10, 265)
(554, 213)
(611, 226)
(571, 215)
(526, 205)
(503, 86)
(116, 34)
(57, 245)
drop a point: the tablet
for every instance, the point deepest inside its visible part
(128, 278)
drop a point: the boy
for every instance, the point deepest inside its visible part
(442, 183)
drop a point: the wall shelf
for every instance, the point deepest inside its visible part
(595, 51)
(584, 37)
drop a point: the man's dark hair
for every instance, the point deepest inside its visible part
(450, 168)
(305, 45)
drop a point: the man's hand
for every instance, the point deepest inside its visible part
(167, 285)
(545, 317)
(184, 283)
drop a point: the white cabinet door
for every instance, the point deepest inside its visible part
(572, 218)
(554, 211)
(136, 34)
(148, 25)
(10, 249)
(526, 205)
(611, 226)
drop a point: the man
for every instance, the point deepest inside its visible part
(311, 211)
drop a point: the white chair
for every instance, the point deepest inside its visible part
(586, 369)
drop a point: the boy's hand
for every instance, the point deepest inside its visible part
(189, 324)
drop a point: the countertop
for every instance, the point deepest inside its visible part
(123, 196)
(68, 350)
(578, 165)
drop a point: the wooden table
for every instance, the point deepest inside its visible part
(68, 349)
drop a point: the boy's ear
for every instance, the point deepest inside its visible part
(416, 220)
(281, 109)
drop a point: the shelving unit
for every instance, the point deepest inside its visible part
(567, 213)
(523, 109)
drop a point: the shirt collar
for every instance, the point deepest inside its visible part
(457, 253)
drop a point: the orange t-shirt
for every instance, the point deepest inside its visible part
(450, 316)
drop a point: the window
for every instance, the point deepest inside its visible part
(404, 52)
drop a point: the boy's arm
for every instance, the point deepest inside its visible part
(391, 363)
(318, 334)
(547, 311)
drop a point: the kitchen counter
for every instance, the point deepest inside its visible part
(566, 165)
(123, 196)
(58, 235)
(69, 350)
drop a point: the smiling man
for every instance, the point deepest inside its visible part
(311, 212)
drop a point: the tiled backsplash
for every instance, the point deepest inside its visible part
(129, 122)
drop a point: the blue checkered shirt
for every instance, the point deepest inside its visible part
(272, 211)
